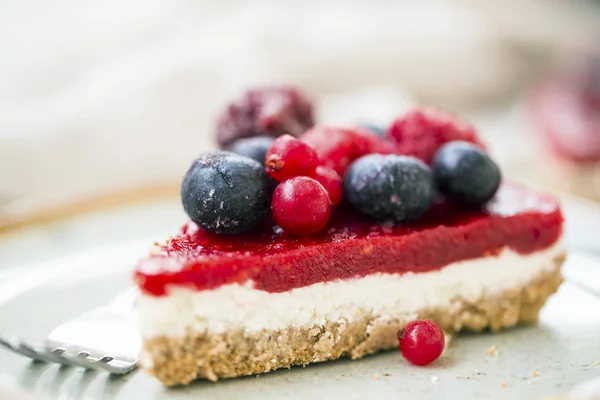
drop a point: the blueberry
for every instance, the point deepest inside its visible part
(255, 148)
(465, 174)
(224, 192)
(390, 187)
(376, 129)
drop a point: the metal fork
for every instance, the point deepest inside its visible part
(104, 338)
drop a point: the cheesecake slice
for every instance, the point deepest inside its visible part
(219, 306)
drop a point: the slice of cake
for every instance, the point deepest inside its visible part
(269, 277)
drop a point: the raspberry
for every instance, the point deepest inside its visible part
(265, 111)
(301, 206)
(421, 342)
(331, 181)
(289, 157)
(338, 147)
(422, 131)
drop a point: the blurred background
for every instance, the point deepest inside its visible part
(105, 102)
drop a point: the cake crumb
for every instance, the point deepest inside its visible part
(504, 384)
(435, 379)
(493, 351)
(447, 340)
(595, 364)
(478, 372)
(536, 373)
(376, 377)
(387, 374)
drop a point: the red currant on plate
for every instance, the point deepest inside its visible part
(421, 342)
(301, 206)
(289, 157)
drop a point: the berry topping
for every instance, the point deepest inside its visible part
(465, 174)
(390, 187)
(255, 148)
(289, 157)
(267, 111)
(301, 206)
(421, 342)
(422, 131)
(331, 181)
(224, 192)
(338, 147)
(376, 129)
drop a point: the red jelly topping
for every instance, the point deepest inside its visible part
(352, 246)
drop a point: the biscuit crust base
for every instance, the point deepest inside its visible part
(178, 361)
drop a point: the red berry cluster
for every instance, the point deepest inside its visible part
(310, 168)
(310, 171)
(302, 201)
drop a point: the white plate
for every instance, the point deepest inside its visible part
(563, 349)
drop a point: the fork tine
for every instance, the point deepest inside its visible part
(66, 352)
(59, 356)
(18, 347)
(28, 350)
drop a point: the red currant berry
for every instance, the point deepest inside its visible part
(421, 342)
(289, 157)
(422, 131)
(301, 206)
(331, 181)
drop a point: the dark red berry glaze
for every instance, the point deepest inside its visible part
(289, 157)
(338, 147)
(568, 121)
(301, 206)
(265, 111)
(421, 342)
(353, 246)
(331, 181)
(422, 131)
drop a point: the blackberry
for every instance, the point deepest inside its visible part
(265, 111)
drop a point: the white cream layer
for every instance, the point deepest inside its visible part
(234, 305)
